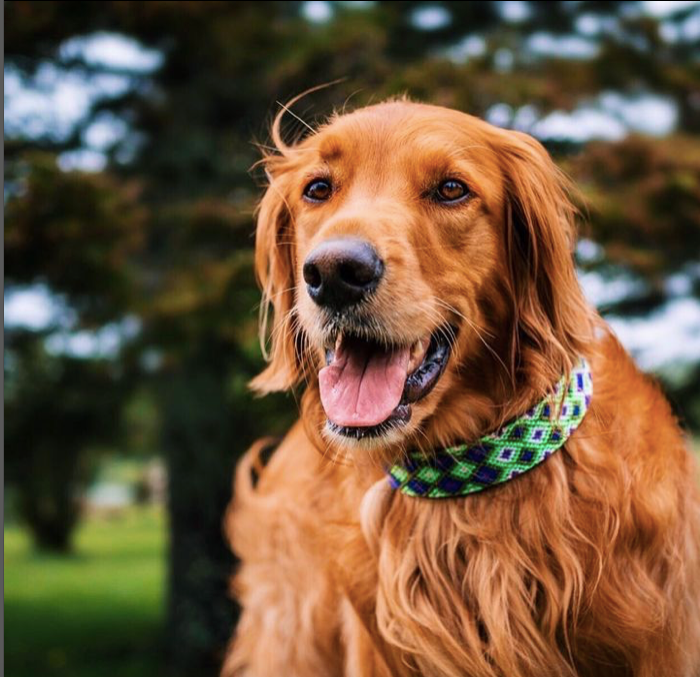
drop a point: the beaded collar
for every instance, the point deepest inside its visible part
(517, 447)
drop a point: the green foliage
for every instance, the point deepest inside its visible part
(645, 202)
(55, 408)
(74, 231)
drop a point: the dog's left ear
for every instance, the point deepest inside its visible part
(551, 316)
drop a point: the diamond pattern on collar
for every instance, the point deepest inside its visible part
(517, 447)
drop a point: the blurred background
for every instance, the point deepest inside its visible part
(130, 301)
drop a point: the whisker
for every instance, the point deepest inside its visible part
(293, 288)
(294, 115)
(478, 331)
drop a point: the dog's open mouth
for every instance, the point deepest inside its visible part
(367, 388)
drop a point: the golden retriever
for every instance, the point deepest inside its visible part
(418, 262)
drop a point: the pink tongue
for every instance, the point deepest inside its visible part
(363, 384)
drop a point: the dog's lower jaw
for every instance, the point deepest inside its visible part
(397, 419)
(381, 449)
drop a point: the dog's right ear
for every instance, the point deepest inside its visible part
(274, 267)
(275, 256)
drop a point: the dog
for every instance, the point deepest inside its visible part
(419, 265)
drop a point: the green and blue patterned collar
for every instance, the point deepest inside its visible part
(517, 447)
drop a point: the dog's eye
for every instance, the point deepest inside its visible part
(318, 191)
(451, 190)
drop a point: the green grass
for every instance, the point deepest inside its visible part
(95, 613)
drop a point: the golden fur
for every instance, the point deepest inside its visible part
(588, 566)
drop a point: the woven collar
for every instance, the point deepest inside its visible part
(516, 448)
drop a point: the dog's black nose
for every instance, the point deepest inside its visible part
(341, 272)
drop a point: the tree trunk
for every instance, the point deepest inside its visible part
(200, 454)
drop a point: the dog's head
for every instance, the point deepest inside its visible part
(415, 256)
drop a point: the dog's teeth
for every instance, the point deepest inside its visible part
(418, 350)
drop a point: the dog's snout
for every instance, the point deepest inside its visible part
(341, 272)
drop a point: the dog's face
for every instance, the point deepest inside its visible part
(410, 253)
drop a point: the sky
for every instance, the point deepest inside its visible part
(56, 100)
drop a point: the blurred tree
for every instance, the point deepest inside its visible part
(188, 255)
(57, 409)
(645, 195)
(72, 232)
